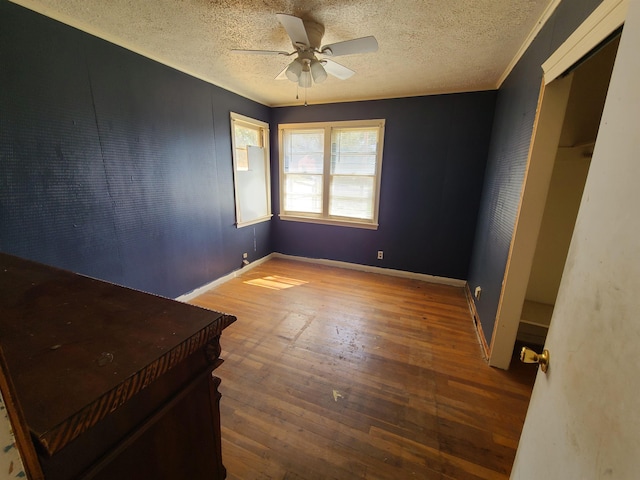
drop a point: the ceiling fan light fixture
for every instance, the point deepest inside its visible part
(305, 79)
(317, 71)
(294, 70)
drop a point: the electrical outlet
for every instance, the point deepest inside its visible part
(380, 254)
(245, 255)
(477, 293)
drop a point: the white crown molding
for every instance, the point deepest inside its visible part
(546, 14)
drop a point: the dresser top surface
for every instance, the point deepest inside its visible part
(70, 340)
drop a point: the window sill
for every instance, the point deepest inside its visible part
(330, 221)
(253, 222)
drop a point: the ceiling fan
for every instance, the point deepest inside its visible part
(307, 68)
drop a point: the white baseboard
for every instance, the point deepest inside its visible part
(321, 261)
(382, 271)
(476, 323)
(236, 273)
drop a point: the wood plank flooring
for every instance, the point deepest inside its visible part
(332, 373)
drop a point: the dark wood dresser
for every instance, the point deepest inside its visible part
(108, 382)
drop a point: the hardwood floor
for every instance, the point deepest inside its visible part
(332, 373)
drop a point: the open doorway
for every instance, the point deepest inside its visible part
(585, 103)
(578, 58)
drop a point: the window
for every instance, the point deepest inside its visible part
(251, 178)
(330, 172)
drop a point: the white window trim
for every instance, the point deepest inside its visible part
(324, 218)
(251, 122)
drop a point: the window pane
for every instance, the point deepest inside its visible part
(303, 193)
(303, 151)
(352, 196)
(307, 140)
(246, 136)
(242, 159)
(304, 163)
(353, 151)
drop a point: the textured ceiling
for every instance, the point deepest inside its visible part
(425, 46)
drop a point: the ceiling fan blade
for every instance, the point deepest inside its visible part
(295, 29)
(348, 47)
(260, 52)
(337, 70)
(283, 74)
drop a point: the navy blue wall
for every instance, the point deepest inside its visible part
(513, 126)
(113, 165)
(434, 157)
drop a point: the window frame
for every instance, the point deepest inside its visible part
(323, 217)
(263, 128)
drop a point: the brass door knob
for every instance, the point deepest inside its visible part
(529, 356)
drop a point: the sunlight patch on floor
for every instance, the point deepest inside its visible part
(276, 282)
